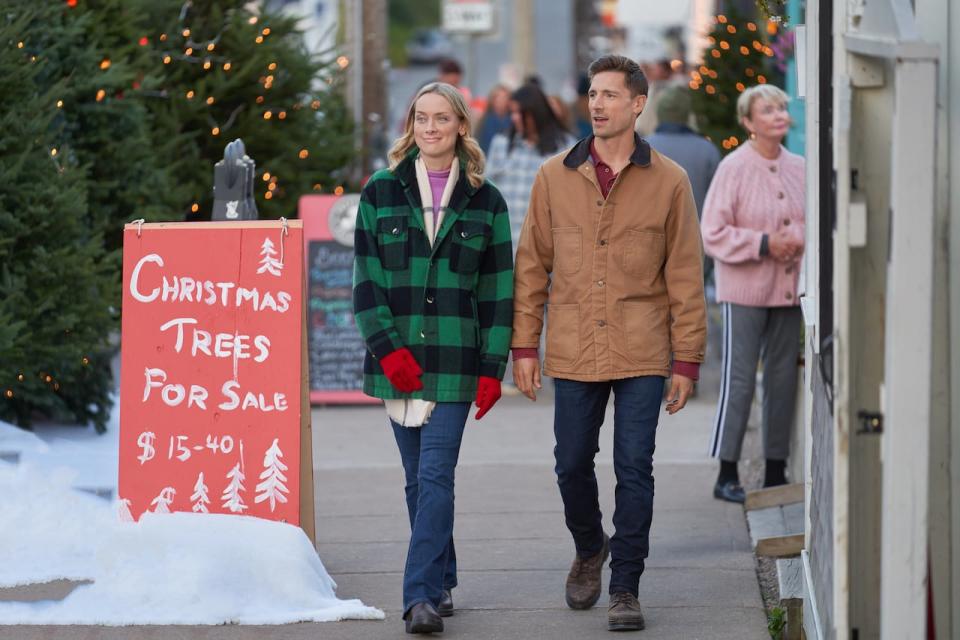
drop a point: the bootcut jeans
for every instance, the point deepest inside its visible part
(429, 455)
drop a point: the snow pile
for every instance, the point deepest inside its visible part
(180, 568)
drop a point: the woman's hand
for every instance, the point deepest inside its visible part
(784, 247)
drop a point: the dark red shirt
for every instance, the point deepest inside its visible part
(605, 175)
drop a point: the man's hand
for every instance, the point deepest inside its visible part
(526, 375)
(680, 389)
(784, 247)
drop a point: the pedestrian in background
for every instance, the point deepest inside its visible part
(432, 296)
(675, 139)
(611, 247)
(516, 156)
(496, 117)
(753, 227)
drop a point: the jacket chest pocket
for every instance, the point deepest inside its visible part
(567, 250)
(643, 252)
(393, 239)
(469, 241)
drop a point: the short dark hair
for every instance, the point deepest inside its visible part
(449, 65)
(633, 75)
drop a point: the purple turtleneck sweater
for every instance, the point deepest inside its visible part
(438, 180)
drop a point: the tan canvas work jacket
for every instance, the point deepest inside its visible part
(621, 277)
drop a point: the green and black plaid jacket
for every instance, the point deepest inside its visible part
(450, 304)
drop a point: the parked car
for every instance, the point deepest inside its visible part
(428, 46)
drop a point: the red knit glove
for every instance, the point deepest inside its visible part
(488, 392)
(402, 370)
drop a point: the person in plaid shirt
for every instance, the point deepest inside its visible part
(433, 299)
(516, 156)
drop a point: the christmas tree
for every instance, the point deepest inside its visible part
(740, 55)
(272, 488)
(225, 72)
(57, 281)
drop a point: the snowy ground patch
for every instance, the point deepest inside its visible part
(180, 568)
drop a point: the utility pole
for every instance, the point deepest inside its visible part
(366, 28)
(524, 38)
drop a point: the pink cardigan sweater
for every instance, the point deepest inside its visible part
(751, 196)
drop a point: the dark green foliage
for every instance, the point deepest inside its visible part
(716, 82)
(57, 281)
(304, 103)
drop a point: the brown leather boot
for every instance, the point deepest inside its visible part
(583, 581)
(624, 613)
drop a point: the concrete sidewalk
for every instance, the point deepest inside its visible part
(512, 545)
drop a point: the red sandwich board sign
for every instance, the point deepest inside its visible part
(214, 416)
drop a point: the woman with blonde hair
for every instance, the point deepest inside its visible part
(753, 226)
(433, 299)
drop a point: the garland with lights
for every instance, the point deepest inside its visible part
(741, 54)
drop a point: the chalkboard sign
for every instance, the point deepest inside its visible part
(335, 347)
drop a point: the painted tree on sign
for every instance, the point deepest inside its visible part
(272, 486)
(269, 263)
(163, 501)
(200, 498)
(232, 499)
(123, 510)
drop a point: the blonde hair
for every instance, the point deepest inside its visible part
(467, 146)
(751, 95)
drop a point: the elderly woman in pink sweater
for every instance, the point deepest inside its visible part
(753, 227)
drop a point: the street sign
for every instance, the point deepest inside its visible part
(468, 16)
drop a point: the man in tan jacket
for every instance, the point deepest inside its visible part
(611, 247)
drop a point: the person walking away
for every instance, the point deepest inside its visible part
(611, 247)
(753, 227)
(432, 296)
(675, 139)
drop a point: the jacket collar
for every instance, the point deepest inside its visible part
(406, 172)
(580, 153)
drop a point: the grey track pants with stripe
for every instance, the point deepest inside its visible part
(749, 334)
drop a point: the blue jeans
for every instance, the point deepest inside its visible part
(429, 455)
(579, 411)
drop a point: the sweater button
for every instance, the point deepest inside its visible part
(780, 195)
(786, 222)
(789, 270)
(788, 295)
(773, 169)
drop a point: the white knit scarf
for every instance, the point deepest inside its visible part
(413, 412)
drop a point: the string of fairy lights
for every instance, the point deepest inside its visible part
(700, 78)
(181, 46)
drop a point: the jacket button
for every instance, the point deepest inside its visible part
(788, 295)
(599, 203)
(395, 231)
(424, 336)
(600, 283)
(429, 299)
(603, 243)
(780, 195)
(464, 234)
(786, 222)
(602, 323)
